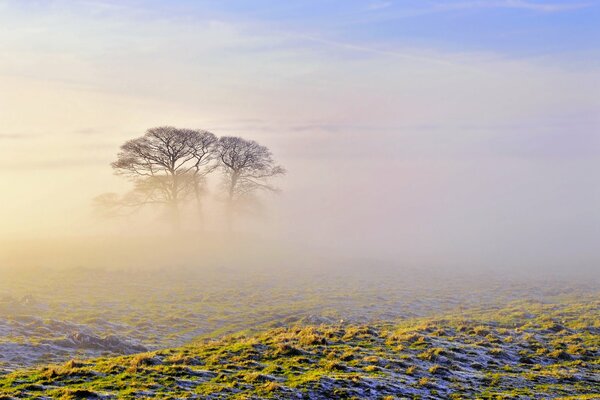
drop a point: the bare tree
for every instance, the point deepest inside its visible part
(201, 145)
(166, 166)
(247, 168)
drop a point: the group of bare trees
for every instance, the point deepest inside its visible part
(169, 167)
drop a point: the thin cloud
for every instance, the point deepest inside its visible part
(106, 5)
(445, 7)
(13, 136)
(389, 53)
(379, 5)
(66, 163)
(515, 4)
(87, 131)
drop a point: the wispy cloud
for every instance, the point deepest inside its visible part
(13, 136)
(439, 7)
(402, 54)
(65, 163)
(100, 5)
(515, 4)
(86, 131)
(379, 5)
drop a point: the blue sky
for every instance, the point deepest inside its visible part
(510, 27)
(513, 27)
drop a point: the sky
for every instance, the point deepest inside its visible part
(434, 132)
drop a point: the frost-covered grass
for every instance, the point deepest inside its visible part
(51, 316)
(524, 349)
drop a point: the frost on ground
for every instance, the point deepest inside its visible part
(29, 340)
(53, 316)
(525, 349)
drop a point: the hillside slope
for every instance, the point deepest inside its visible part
(524, 350)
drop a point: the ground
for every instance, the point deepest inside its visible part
(357, 338)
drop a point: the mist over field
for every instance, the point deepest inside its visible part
(299, 199)
(425, 156)
(401, 196)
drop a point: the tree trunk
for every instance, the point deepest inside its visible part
(175, 216)
(231, 204)
(229, 215)
(199, 205)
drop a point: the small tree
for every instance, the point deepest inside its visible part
(247, 168)
(166, 166)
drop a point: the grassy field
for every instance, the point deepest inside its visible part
(314, 333)
(525, 349)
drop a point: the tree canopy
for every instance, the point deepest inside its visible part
(169, 166)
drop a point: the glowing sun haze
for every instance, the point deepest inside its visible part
(459, 132)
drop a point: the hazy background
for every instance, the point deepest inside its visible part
(424, 133)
